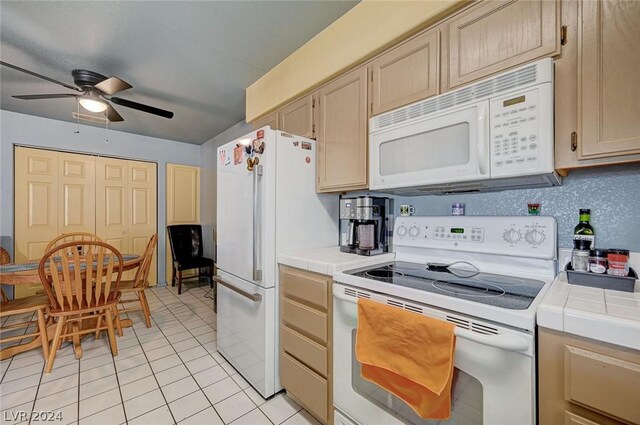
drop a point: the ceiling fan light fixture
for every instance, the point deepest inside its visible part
(92, 105)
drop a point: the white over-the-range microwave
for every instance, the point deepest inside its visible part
(495, 134)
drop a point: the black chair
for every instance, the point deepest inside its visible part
(186, 251)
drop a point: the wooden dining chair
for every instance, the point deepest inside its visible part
(71, 237)
(139, 283)
(83, 288)
(34, 304)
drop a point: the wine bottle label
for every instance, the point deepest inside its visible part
(590, 238)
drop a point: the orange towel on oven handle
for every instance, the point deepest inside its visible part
(408, 354)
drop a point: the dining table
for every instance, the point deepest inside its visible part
(26, 272)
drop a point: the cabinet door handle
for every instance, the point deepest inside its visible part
(574, 141)
(563, 35)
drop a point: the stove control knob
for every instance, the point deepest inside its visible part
(402, 231)
(535, 237)
(414, 231)
(511, 236)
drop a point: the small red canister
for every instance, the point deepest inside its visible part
(618, 260)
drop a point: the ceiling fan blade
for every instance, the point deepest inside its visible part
(140, 107)
(44, 96)
(112, 115)
(26, 71)
(112, 85)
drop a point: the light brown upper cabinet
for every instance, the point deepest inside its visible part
(342, 133)
(596, 90)
(608, 75)
(271, 120)
(495, 35)
(297, 117)
(406, 74)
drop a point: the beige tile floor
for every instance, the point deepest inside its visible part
(167, 374)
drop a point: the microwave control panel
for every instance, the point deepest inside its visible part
(515, 133)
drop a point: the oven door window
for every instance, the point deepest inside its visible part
(466, 403)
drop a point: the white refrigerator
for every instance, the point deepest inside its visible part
(262, 210)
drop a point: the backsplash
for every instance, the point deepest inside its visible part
(612, 193)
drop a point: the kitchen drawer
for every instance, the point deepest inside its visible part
(306, 320)
(606, 384)
(305, 350)
(307, 287)
(305, 385)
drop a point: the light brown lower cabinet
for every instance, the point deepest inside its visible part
(586, 382)
(305, 340)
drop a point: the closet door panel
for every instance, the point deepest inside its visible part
(76, 189)
(112, 202)
(183, 204)
(36, 201)
(143, 222)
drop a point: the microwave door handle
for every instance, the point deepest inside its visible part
(503, 341)
(483, 136)
(257, 173)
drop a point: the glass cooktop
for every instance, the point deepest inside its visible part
(486, 288)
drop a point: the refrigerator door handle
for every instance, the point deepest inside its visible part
(253, 297)
(257, 173)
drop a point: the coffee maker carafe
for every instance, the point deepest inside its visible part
(365, 225)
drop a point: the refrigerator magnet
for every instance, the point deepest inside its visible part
(258, 146)
(238, 155)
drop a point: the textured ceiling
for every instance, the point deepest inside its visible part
(194, 58)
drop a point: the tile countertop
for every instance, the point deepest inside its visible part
(329, 260)
(599, 314)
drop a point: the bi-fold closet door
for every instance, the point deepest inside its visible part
(58, 192)
(126, 206)
(54, 194)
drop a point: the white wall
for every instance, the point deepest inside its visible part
(208, 180)
(28, 130)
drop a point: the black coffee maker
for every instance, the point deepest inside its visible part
(365, 225)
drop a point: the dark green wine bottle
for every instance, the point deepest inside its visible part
(584, 230)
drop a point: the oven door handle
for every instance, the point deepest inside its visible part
(502, 341)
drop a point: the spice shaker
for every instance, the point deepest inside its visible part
(457, 208)
(580, 255)
(598, 261)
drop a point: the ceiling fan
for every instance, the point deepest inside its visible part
(93, 89)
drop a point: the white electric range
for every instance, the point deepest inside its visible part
(486, 275)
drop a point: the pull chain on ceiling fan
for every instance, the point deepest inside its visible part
(94, 89)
